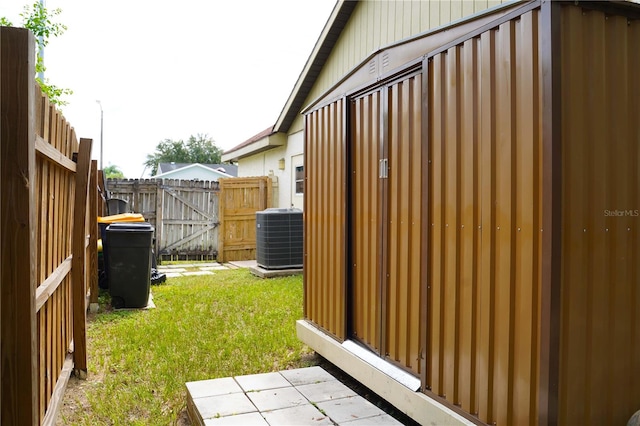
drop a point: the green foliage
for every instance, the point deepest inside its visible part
(113, 172)
(39, 20)
(228, 324)
(198, 149)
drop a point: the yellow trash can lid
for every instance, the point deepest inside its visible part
(123, 217)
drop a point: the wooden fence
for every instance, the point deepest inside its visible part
(48, 253)
(188, 215)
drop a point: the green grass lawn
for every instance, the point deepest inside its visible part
(204, 327)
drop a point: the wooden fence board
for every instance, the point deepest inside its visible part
(78, 261)
(36, 216)
(18, 361)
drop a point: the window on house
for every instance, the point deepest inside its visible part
(299, 180)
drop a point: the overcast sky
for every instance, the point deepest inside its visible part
(170, 69)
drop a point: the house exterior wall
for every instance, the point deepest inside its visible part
(266, 163)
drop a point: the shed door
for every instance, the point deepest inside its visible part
(386, 209)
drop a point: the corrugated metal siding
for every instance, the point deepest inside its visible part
(325, 218)
(386, 221)
(404, 216)
(366, 207)
(600, 304)
(376, 24)
(485, 238)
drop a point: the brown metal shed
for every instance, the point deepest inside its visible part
(473, 215)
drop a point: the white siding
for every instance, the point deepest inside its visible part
(266, 164)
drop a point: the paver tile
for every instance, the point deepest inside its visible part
(169, 269)
(325, 391)
(258, 382)
(307, 376)
(383, 420)
(194, 273)
(224, 405)
(213, 268)
(350, 408)
(173, 274)
(275, 399)
(254, 419)
(213, 387)
(301, 415)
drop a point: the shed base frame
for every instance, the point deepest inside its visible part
(416, 405)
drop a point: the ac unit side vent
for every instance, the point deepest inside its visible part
(279, 238)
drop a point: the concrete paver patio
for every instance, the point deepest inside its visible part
(304, 396)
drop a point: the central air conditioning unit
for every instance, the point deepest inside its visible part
(279, 238)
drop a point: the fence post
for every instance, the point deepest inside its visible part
(159, 209)
(221, 220)
(102, 209)
(78, 264)
(93, 232)
(18, 256)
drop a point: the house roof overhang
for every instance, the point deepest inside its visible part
(328, 37)
(192, 166)
(263, 141)
(276, 136)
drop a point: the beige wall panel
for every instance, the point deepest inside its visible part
(485, 187)
(600, 304)
(325, 218)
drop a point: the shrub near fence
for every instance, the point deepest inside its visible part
(48, 253)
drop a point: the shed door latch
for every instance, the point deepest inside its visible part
(384, 168)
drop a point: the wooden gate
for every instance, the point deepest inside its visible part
(188, 219)
(241, 198)
(184, 214)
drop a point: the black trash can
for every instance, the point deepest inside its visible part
(103, 223)
(117, 206)
(129, 267)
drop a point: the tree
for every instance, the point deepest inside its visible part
(39, 20)
(113, 172)
(198, 149)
